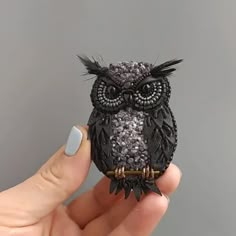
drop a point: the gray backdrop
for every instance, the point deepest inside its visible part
(42, 93)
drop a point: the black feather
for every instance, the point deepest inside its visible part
(137, 192)
(113, 185)
(92, 66)
(119, 188)
(99, 134)
(153, 187)
(145, 189)
(160, 131)
(127, 189)
(164, 69)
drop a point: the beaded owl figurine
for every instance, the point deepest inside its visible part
(132, 129)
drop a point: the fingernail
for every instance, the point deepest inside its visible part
(73, 141)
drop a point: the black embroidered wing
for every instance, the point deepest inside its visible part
(99, 134)
(160, 131)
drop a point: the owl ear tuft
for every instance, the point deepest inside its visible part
(92, 66)
(164, 69)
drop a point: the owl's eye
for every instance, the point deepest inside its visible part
(147, 90)
(112, 92)
(107, 96)
(148, 95)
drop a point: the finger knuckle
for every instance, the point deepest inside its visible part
(52, 174)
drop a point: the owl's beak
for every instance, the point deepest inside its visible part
(128, 97)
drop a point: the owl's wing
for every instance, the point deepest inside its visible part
(99, 134)
(161, 134)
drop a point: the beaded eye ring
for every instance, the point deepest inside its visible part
(132, 129)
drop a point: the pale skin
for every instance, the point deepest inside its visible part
(35, 206)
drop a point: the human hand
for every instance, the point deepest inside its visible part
(35, 206)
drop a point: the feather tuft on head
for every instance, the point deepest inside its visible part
(92, 66)
(164, 69)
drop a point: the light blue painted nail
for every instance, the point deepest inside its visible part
(73, 141)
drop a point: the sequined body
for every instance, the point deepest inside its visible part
(129, 147)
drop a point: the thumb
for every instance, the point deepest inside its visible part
(28, 202)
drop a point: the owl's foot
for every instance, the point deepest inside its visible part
(120, 172)
(148, 173)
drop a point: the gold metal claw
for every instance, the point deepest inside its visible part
(119, 173)
(131, 172)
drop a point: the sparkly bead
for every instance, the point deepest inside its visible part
(130, 160)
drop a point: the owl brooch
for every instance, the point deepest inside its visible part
(132, 129)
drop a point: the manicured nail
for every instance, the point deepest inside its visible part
(73, 141)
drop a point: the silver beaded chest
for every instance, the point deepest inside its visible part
(129, 148)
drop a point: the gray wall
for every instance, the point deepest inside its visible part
(42, 93)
